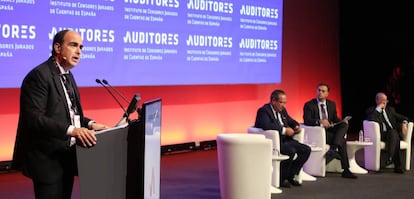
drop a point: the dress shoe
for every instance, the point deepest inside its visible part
(348, 174)
(333, 154)
(285, 184)
(388, 162)
(294, 182)
(398, 170)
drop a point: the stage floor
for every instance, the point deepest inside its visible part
(194, 175)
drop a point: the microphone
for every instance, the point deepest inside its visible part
(131, 108)
(113, 96)
(132, 105)
(119, 93)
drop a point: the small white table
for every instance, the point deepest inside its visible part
(276, 159)
(352, 148)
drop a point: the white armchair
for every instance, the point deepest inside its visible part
(243, 173)
(278, 157)
(315, 137)
(304, 176)
(372, 153)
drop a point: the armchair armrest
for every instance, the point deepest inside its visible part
(269, 134)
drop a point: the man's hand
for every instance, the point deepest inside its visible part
(382, 105)
(85, 136)
(297, 129)
(98, 127)
(289, 131)
(404, 129)
(292, 131)
(325, 123)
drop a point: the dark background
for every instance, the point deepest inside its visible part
(376, 37)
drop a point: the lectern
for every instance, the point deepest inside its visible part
(125, 162)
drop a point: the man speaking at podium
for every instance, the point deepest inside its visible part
(51, 121)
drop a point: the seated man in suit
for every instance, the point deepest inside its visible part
(390, 128)
(273, 116)
(321, 111)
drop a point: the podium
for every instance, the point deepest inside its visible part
(125, 162)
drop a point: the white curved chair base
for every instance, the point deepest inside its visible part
(275, 190)
(334, 166)
(306, 177)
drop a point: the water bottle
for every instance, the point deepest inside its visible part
(361, 136)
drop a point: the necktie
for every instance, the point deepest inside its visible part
(385, 120)
(324, 116)
(71, 93)
(279, 117)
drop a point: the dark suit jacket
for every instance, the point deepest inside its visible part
(266, 120)
(395, 118)
(42, 146)
(311, 115)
